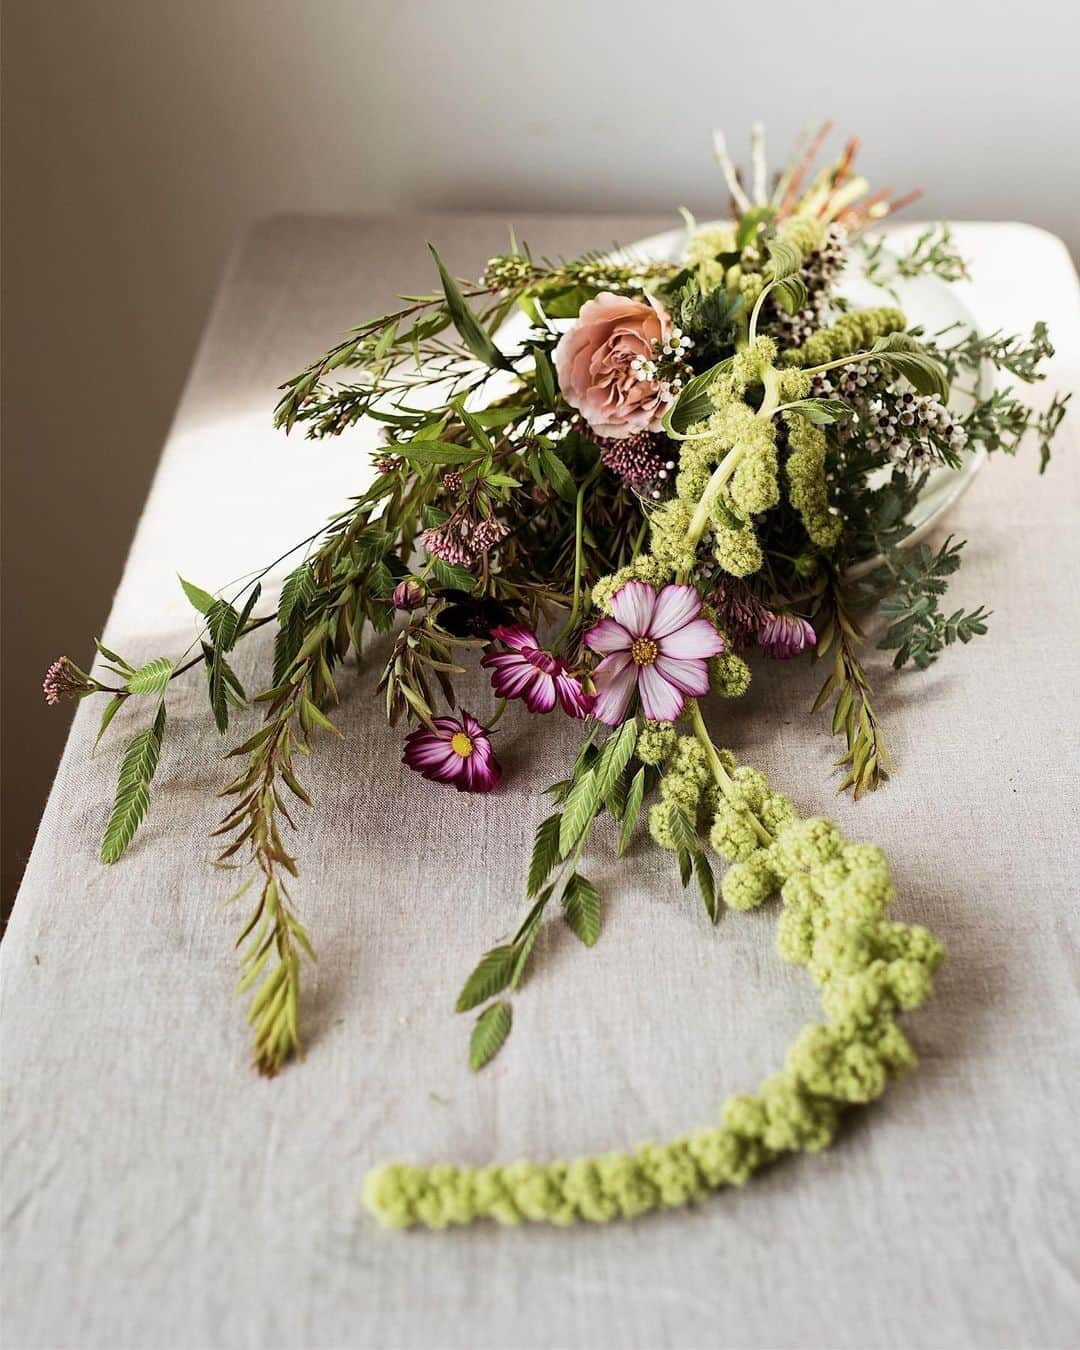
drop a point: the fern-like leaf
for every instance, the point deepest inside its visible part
(133, 788)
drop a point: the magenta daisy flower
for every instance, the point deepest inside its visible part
(528, 672)
(783, 636)
(656, 644)
(457, 752)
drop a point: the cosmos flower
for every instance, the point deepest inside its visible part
(457, 752)
(656, 644)
(783, 636)
(528, 672)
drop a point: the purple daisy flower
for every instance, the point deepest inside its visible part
(528, 672)
(783, 636)
(454, 752)
(656, 644)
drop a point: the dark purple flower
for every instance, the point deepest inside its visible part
(408, 594)
(783, 636)
(452, 751)
(656, 644)
(528, 672)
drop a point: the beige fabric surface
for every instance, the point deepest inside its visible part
(156, 1193)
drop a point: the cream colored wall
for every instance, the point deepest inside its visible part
(141, 137)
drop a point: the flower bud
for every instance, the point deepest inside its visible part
(408, 594)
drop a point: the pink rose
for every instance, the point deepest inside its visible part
(594, 363)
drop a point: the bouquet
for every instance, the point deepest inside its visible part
(610, 480)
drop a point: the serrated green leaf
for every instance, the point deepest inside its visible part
(202, 600)
(465, 321)
(578, 811)
(581, 906)
(693, 403)
(822, 412)
(545, 377)
(615, 756)
(785, 259)
(706, 884)
(133, 788)
(493, 973)
(153, 678)
(907, 357)
(296, 594)
(634, 799)
(682, 829)
(447, 574)
(791, 294)
(545, 852)
(111, 709)
(559, 476)
(223, 625)
(438, 452)
(491, 1030)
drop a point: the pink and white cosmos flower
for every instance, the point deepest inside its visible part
(528, 672)
(656, 644)
(457, 752)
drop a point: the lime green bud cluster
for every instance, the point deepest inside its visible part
(685, 783)
(672, 547)
(751, 284)
(729, 675)
(702, 250)
(751, 362)
(647, 567)
(708, 241)
(868, 968)
(808, 489)
(793, 384)
(655, 743)
(805, 234)
(854, 332)
(736, 549)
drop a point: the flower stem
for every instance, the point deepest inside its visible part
(579, 552)
(721, 777)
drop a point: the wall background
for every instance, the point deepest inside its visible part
(142, 137)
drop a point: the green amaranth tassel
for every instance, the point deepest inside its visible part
(835, 897)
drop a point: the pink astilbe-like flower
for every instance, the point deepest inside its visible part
(528, 672)
(457, 752)
(63, 680)
(656, 644)
(783, 636)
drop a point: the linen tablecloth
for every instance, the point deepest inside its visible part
(156, 1193)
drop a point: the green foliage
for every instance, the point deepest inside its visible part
(153, 678)
(918, 630)
(133, 788)
(907, 357)
(491, 1030)
(465, 321)
(581, 906)
(546, 853)
(492, 974)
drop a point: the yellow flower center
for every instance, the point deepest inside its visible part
(461, 745)
(644, 651)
